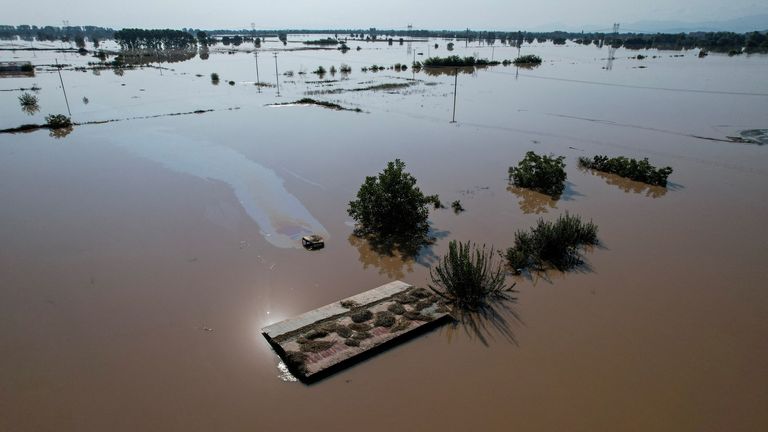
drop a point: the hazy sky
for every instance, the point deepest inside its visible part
(432, 14)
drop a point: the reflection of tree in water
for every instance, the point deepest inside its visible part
(30, 109)
(450, 71)
(393, 256)
(532, 201)
(628, 185)
(59, 133)
(393, 263)
(487, 323)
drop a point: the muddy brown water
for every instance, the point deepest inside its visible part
(140, 259)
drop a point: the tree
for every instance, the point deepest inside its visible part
(545, 174)
(391, 208)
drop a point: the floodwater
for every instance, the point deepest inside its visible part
(139, 259)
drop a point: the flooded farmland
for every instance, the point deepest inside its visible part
(140, 258)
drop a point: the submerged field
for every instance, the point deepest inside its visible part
(140, 258)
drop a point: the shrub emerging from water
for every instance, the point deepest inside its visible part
(28, 100)
(528, 59)
(320, 70)
(391, 205)
(553, 244)
(58, 121)
(468, 276)
(457, 207)
(456, 61)
(638, 170)
(28, 103)
(215, 78)
(545, 174)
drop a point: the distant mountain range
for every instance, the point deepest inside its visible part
(758, 22)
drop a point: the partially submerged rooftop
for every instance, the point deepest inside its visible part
(324, 339)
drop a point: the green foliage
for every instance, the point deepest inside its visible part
(457, 207)
(28, 100)
(215, 78)
(468, 276)
(528, 59)
(456, 61)
(27, 67)
(638, 170)
(553, 244)
(320, 70)
(133, 38)
(391, 205)
(545, 174)
(326, 41)
(58, 121)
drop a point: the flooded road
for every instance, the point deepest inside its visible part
(139, 259)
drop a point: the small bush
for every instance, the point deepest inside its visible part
(396, 308)
(528, 59)
(27, 67)
(633, 169)
(352, 342)
(384, 319)
(215, 78)
(345, 68)
(457, 207)
(361, 315)
(28, 100)
(231, 83)
(468, 276)
(58, 121)
(552, 243)
(320, 70)
(545, 174)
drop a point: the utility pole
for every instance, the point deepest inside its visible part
(258, 81)
(277, 77)
(455, 85)
(58, 69)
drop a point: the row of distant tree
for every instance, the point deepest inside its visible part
(186, 37)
